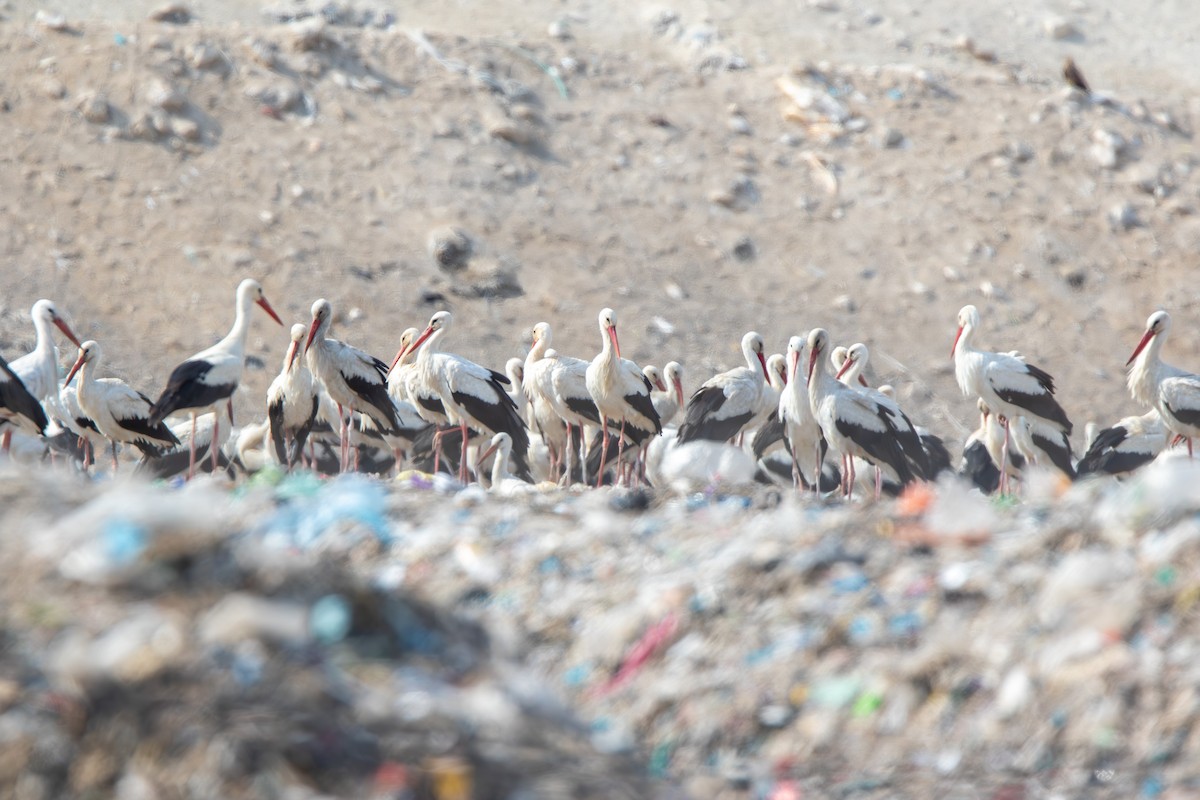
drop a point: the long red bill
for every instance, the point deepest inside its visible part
(66, 329)
(612, 334)
(262, 301)
(312, 333)
(74, 369)
(954, 346)
(763, 362)
(679, 391)
(812, 361)
(291, 356)
(1146, 337)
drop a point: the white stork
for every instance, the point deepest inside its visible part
(668, 391)
(801, 428)
(210, 377)
(1131, 443)
(18, 406)
(725, 403)
(1011, 387)
(1010, 462)
(71, 417)
(620, 392)
(1041, 445)
(38, 369)
(120, 412)
(1171, 391)
(473, 396)
(538, 388)
(292, 403)
(503, 482)
(860, 425)
(356, 381)
(196, 447)
(573, 403)
(514, 370)
(977, 464)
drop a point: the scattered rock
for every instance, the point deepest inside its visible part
(161, 94)
(94, 107)
(450, 248)
(512, 132)
(151, 126)
(173, 13)
(186, 129)
(845, 302)
(1059, 28)
(52, 22)
(1107, 148)
(559, 29)
(205, 56)
(311, 34)
(52, 88)
(280, 96)
(1123, 217)
(1019, 151)
(744, 249)
(890, 138)
(739, 125)
(500, 284)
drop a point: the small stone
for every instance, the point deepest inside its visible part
(205, 56)
(450, 248)
(1059, 28)
(1019, 151)
(1107, 148)
(186, 129)
(775, 716)
(844, 302)
(94, 107)
(1122, 217)
(559, 29)
(53, 88)
(744, 249)
(511, 132)
(173, 13)
(280, 96)
(891, 138)
(52, 22)
(311, 34)
(739, 125)
(161, 94)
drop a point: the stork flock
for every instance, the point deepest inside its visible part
(812, 418)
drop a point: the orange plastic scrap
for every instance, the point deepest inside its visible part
(451, 778)
(655, 638)
(914, 500)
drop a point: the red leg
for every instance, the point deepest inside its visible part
(7, 441)
(214, 446)
(603, 449)
(192, 450)
(463, 474)
(620, 449)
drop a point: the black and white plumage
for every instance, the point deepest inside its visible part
(209, 378)
(196, 448)
(1042, 446)
(1130, 444)
(805, 439)
(503, 482)
(354, 380)
(292, 404)
(1172, 392)
(474, 397)
(1006, 382)
(668, 398)
(71, 418)
(725, 403)
(37, 374)
(537, 385)
(620, 392)
(18, 406)
(120, 412)
(976, 464)
(856, 424)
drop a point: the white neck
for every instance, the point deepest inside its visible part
(499, 466)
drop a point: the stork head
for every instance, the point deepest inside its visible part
(968, 319)
(294, 349)
(251, 291)
(438, 322)
(752, 348)
(89, 351)
(777, 367)
(795, 351)
(321, 312)
(502, 442)
(46, 311)
(673, 372)
(856, 353)
(608, 327)
(541, 333)
(818, 344)
(515, 369)
(655, 377)
(406, 339)
(1158, 323)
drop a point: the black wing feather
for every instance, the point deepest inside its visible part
(15, 397)
(275, 424)
(186, 391)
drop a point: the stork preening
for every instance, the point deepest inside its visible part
(292, 403)
(621, 394)
(1172, 392)
(1009, 385)
(725, 403)
(121, 413)
(473, 396)
(208, 379)
(1131, 443)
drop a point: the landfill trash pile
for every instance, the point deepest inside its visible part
(298, 637)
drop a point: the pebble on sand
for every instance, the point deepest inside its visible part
(450, 248)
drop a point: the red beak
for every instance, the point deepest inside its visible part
(262, 301)
(66, 329)
(420, 340)
(1146, 337)
(954, 346)
(863, 381)
(488, 453)
(74, 369)
(612, 334)
(763, 361)
(312, 333)
(658, 384)
(291, 357)
(679, 391)
(812, 361)
(793, 363)
(849, 362)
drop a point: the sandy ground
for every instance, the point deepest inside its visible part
(665, 180)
